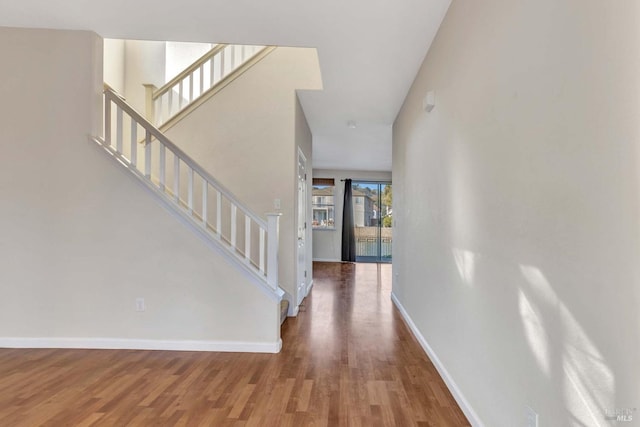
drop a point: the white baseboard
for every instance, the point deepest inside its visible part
(133, 344)
(453, 387)
(325, 260)
(293, 311)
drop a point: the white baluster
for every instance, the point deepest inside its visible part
(205, 194)
(233, 57)
(134, 142)
(262, 249)
(176, 178)
(273, 230)
(190, 191)
(201, 80)
(119, 131)
(219, 215)
(222, 55)
(180, 94)
(234, 224)
(191, 76)
(212, 70)
(163, 165)
(170, 102)
(107, 118)
(147, 154)
(247, 238)
(243, 53)
(158, 111)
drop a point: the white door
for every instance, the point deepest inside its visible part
(302, 228)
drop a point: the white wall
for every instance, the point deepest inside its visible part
(114, 64)
(82, 239)
(180, 55)
(327, 243)
(516, 200)
(145, 63)
(130, 64)
(245, 136)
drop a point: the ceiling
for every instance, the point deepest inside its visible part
(369, 52)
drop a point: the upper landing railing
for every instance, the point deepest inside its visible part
(214, 67)
(194, 193)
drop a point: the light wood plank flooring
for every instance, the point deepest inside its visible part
(348, 360)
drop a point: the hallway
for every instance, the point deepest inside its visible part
(348, 360)
(367, 367)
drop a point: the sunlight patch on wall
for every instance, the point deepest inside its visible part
(588, 381)
(462, 192)
(540, 285)
(586, 372)
(466, 263)
(535, 333)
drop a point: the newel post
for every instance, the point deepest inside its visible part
(150, 105)
(273, 233)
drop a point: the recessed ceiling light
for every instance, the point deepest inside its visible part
(351, 124)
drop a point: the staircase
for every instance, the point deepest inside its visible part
(204, 204)
(198, 82)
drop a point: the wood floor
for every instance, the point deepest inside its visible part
(348, 360)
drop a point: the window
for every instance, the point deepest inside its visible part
(322, 203)
(372, 216)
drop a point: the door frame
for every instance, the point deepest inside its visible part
(302, 220)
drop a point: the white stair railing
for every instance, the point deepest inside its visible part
(190, 189)
(196, 80)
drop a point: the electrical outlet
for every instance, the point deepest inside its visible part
(531, 417)
(140, 304)
(277, 204)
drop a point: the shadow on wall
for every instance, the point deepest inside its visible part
(562, 350)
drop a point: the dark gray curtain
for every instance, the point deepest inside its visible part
(348, 235)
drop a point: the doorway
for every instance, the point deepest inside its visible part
(301, 288)
(373, 220)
